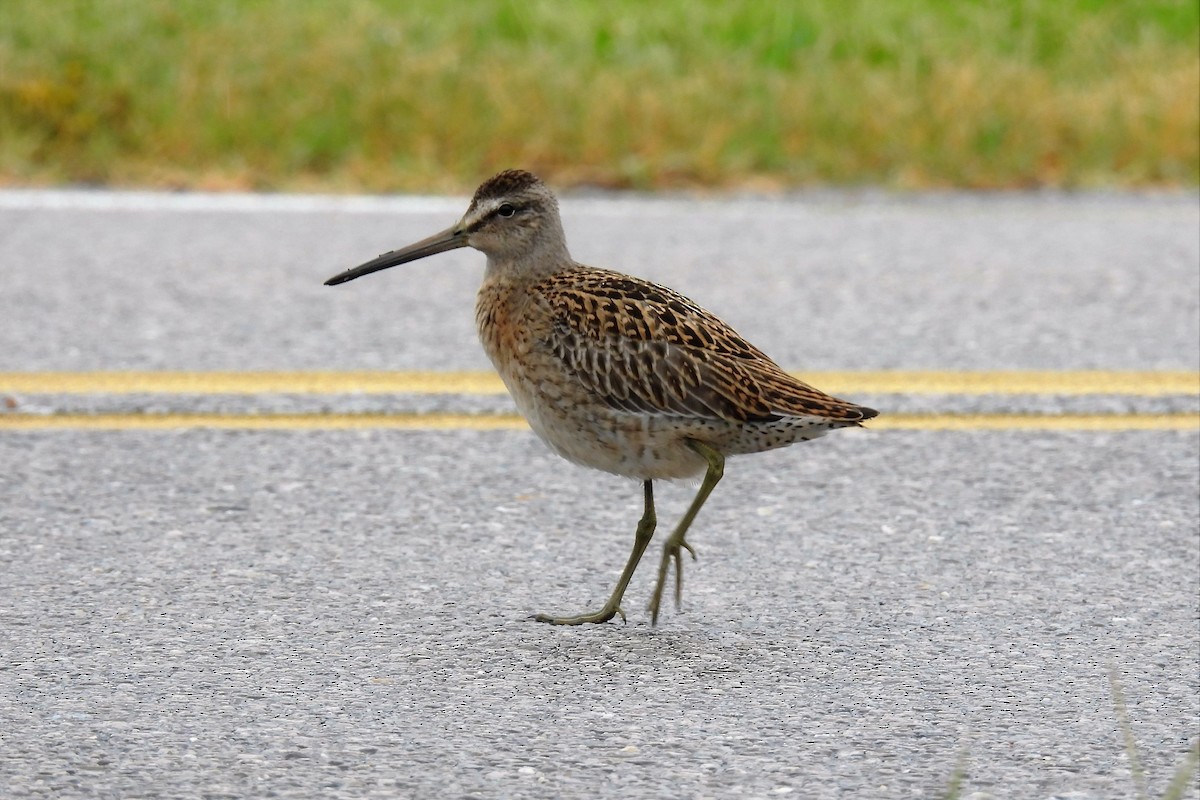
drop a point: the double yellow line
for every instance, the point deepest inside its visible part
(492, 422)
(1141, 384)
(1130, 384)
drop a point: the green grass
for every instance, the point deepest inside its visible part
(423, 95)
(1185, 773)
(1182, 780)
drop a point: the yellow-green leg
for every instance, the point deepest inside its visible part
(677, 542)
(645, 531)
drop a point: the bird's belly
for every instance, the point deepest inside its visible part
(590, 434)
(634, 445)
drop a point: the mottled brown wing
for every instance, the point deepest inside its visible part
(644, 348)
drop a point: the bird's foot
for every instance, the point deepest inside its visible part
(672, 550)
(603, 615)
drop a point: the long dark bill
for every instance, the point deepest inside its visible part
(449, 239)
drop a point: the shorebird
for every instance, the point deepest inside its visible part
(617, 373)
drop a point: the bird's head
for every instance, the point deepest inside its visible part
(513, 219)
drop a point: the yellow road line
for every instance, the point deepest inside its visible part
(175, 421)
(408, 421)
(1038, 422)
(1141, 384)
(251, 382)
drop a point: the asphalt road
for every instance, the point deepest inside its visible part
(343, 614)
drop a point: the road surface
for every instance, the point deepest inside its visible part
(211, 609)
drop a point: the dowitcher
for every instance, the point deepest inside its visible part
(617, 373)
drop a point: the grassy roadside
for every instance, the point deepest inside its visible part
(431, 95)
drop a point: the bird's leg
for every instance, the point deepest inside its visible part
(645, 531)
(677, 542)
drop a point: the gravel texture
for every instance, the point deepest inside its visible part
(237, 614)
(344, 615)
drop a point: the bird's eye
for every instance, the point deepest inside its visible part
(506, 210)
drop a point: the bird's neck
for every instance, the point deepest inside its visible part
(530, 266)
